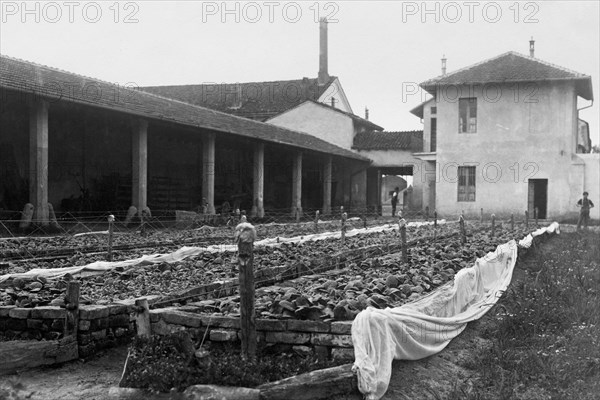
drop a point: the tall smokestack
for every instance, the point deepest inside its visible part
(323, 74)
(444, 64)
(532, 48)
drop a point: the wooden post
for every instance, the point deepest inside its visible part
(297, 215)
(481, 217)
(52, 217)
(317, 221)
(344, 216)
(142, 223)
(526, 219)
(111, 220)
(535, 216)
(72, 306)
(434, 224)
(427, 213)
(142, 318)
(245, 234)
(463, 231)
(364, 218)
(512, 222)
(493, 224)
(403, 238)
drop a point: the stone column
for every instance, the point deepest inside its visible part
(379, 200)
(38, 160)
(297, 184)
(139, 149)
(208, 171)
(327, 167)
(258, 209)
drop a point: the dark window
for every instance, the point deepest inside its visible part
(433, 140)
(467, 115)
(466, 183)
(433, 110)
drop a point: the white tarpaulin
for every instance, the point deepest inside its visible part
(100, 267)
(426, 326)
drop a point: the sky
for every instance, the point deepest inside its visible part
(380, 50)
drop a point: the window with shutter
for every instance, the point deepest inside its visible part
(466, 183)
(467, 115)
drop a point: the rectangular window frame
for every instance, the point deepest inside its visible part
(467, 115)
(433, 135)
(466, 184)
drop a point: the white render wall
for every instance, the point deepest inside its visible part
(522, 132)
(319, 121)
(592, 181)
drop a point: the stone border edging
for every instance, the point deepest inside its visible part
(315, 385)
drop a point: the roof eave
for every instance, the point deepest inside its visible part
(367, 123)
(583, 85)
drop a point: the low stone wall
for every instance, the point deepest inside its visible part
(32, 323)
(102, 327)
(99, 327)
(325, 339)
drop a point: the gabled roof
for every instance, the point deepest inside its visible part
(512, 67)
(406, 140)
(58, 85)
(359, 120)
(259, 100)
(419, 110)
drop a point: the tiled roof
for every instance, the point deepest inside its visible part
(407, 140)
(259, 100)
(59, 85)
(511, 67)
(361, 121)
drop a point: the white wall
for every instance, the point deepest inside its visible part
(336, 91)
(522, 133)
(319, 121)
(592, 181)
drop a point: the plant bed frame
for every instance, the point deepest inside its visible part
(100, 324)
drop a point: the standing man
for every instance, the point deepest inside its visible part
(395, 200)
(584, 213)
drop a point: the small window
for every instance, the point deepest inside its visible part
(433, 110)
(466, 183)
(433, 139)
(467, 115)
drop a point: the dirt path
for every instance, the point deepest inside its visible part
(90, 380)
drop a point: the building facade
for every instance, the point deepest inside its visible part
(506, 137)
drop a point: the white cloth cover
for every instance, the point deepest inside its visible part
(426, 326)
(100, 267)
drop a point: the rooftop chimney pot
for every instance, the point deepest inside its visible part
(366, 113)
(532, 48)
(323, 77)
(444, 64)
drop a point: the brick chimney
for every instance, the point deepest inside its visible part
(532, 48)
(323, 74)
(366, 113)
